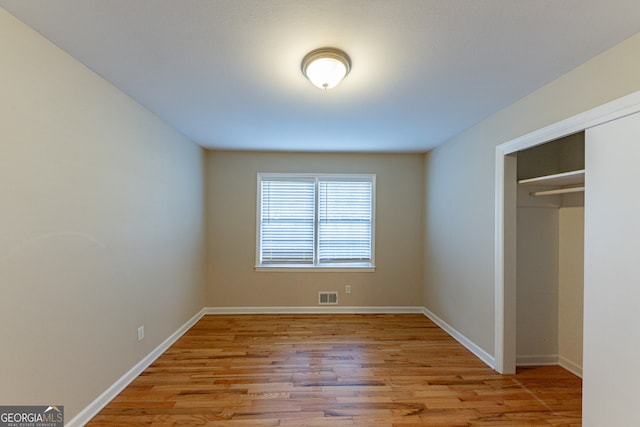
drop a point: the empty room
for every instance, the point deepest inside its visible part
(319, 212)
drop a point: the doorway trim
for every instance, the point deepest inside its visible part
(505, 211)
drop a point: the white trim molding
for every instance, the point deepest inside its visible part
(604, 113)
(549, 360)
(537, 360)
(570, 366)
(313, 310)
(466, 342)
(109, 394)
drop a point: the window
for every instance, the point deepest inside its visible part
(315, 221)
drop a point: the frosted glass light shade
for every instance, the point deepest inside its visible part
(326, 67)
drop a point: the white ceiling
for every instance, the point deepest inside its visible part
(226, 73)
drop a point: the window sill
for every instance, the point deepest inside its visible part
(316, 269)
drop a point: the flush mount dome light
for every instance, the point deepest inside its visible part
(326, 67)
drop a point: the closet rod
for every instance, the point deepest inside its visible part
(558, 191)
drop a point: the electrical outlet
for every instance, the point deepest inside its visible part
(140, 333)
(347, 289)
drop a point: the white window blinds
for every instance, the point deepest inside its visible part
(315, 220)
(287, 221)
(344, 221)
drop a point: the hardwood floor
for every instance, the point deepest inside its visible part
(336, 370)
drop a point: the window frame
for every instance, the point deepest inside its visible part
(316, 266)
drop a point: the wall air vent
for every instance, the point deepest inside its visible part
(327, 297)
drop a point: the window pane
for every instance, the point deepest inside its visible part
(344, 221)
(287, 221)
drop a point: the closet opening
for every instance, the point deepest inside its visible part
(549, 248)
(507, 187)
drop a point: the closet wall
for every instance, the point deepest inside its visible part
(550, 246)
(571, 287)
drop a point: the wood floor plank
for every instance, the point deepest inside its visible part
(336, 370)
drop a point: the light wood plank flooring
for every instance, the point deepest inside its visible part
(336, 370)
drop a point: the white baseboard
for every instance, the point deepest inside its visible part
(536, 360)
(470, 345)
(549, 360)
(313, 310)
(101, 401)
(570, 366)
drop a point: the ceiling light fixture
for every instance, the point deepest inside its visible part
(326, 67)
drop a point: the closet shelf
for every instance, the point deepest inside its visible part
(567, 182)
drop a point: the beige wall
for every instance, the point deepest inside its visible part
(537, 285)
(571, 280)
(101, 227)
(231, 214)
(459, 188)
